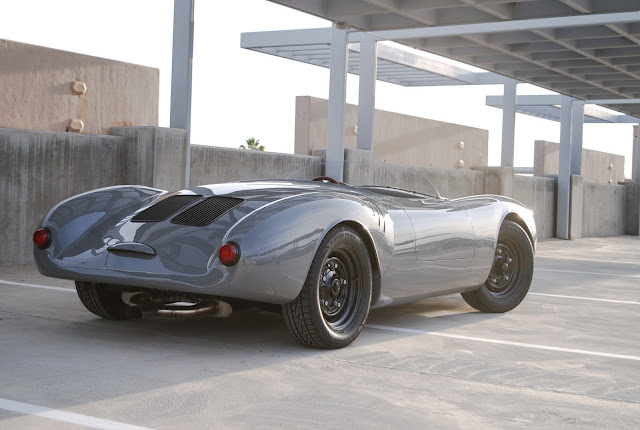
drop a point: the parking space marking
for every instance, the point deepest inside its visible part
(584, 298)
(593, 260)
(64, 416)
(587, 273)
(44, 287)
(504, 342)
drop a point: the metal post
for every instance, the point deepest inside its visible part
(637, 151)
(367, 93)
(564, 171)
(181, 71)
(577, 123)
(337, 102)
(508, 124)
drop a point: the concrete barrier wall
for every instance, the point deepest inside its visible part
(539, 195)
(40, 169)
(603, 209)
(451, 183)
(398, 139)
(210, 164)
(596, 166)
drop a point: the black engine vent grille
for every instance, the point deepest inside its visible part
(206, 212)
(165, 208)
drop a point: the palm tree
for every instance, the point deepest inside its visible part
(253, 144)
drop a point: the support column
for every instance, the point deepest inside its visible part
(337, 104)
(508, 124)
(367, 93)
(636, 152)
(564, 171)
(181, 71)
(577, 123)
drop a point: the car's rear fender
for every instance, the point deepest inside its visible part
(278, 242)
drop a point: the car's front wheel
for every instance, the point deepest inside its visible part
(333, 304)
(510, 275)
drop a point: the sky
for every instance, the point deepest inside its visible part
(238, 94)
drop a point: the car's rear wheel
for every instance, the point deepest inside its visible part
(333, 304)
(510, 275)
(103, 302)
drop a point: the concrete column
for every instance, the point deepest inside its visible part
(577, 200)
(367, 93)
(337, 104)
(564, 171)
(577, 122)
(181, 71)
(508, 124)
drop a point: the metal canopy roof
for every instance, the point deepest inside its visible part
(549, 107)
(313, 46)
(587, 49)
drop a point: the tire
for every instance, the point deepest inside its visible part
(103, 302)
(334, 302)
(510, 275)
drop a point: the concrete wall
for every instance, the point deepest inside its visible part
(36, 94)
(603, 209)
(398, 139)
(38, 169)
(596, 166)
(210, 165)
(538, 194)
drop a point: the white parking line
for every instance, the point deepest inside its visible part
(44, 287)
(585, 298)
(587, 273)
(67, 417)
(504, 342)
(595, 260)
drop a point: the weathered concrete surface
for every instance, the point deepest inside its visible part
(157, 155)
(603, 210)
(538, 194)
(36, 90)
(575, 210)
(596, 166)
(40, 169)
(497, 180)
(246, 372)
(210, 164)
(451, 183)
(398, 139)
(632, 223)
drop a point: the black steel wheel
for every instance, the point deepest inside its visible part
(510, 275)
(103, 302)
(333, 304)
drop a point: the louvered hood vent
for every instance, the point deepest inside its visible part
(205, 212)
(165, 208)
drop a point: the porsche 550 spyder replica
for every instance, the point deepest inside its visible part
(325, 252)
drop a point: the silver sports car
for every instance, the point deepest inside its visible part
(323, 252)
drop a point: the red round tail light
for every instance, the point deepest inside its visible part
(42, 238)
(229, 254)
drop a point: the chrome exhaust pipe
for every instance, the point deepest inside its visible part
(143, 304)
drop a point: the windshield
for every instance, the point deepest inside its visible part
(387, 179)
